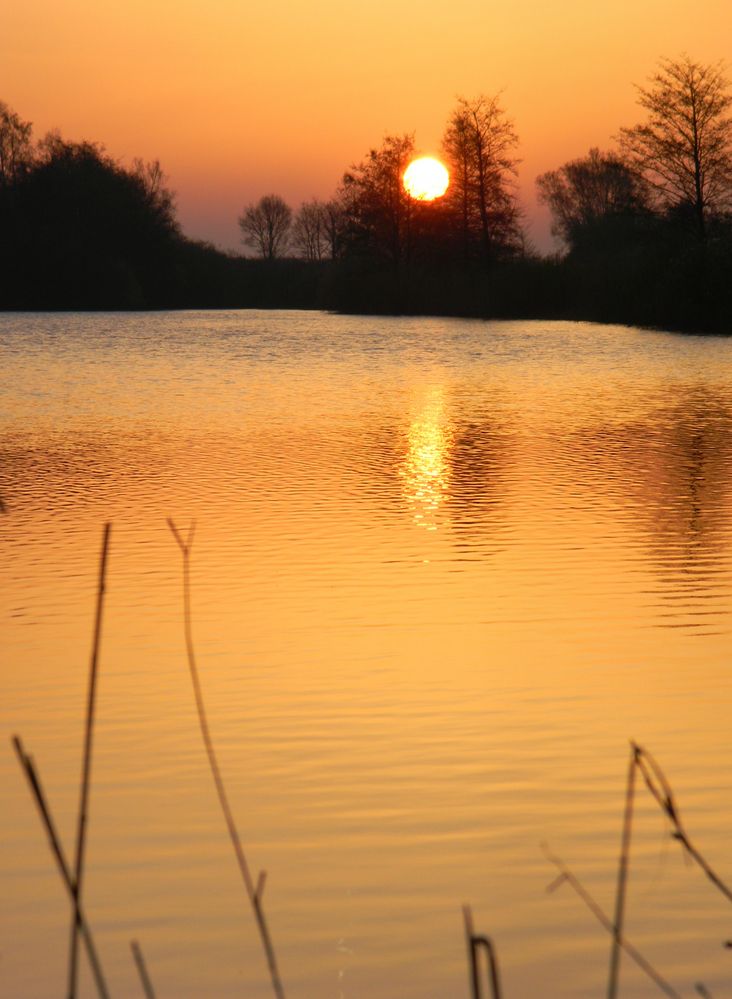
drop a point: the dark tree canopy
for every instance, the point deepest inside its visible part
(16, 149)
(684, 147)
(79, 229)
(585, 192)
(265, 226)
(479, 145)
(376, 208)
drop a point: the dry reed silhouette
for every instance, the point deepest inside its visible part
(31, 774)
(86, 764)
(142, 970)
(612, 981)
(641, 761)
(476, 943)
(255, 892)
(566, 876)
(657, 783)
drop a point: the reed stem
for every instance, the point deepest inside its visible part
(612, 983)
(142, 970)
(475, 942)
(86, 766)
(658, 785)
(34, 781)
(630, 950)
(255, 893)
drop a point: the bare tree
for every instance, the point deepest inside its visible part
(309, 231)
(684, 148)
(318, 229)
(151, 174)
(334, 222)
(265, 226)
(479, 145)
(589, 190)
(16, 151)
(161, 199)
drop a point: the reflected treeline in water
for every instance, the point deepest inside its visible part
(670, 474)
(446, 465)
(665, 476)
(482, 455)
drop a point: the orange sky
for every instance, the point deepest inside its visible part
(238, 98)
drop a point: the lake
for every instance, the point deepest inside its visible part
(443, 572)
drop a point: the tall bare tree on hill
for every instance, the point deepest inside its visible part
(684, 148)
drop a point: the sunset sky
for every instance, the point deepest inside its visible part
(238, 98)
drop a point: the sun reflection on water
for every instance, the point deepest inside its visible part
(425, 471)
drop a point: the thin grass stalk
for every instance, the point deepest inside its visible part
(475, 942)
(658, 785)
(472, 964)
(255, 893)
(86, 766)
(490, 950)
(612, 982)
(567, 876)
(142, 970)
(34, 782)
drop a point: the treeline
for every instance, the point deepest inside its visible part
(80, 231)
(645, 228)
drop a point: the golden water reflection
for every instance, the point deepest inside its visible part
(426, 469)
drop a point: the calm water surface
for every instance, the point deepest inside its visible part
(443, 572)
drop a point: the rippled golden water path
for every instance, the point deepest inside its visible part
(443, 572)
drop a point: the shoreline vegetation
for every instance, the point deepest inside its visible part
(645, 229)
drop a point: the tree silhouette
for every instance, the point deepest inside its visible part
(376, 208)
(265, 226)
(309, 234)
(85, 232)
(16, 150)
(586, 192)
(684, 148)
(160, 198)
(334, 222)
(479, 145)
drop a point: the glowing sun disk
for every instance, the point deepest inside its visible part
(426, 179)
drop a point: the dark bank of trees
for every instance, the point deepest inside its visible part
(80, 231)
(645, 229)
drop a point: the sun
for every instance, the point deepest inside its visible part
(426, 179)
